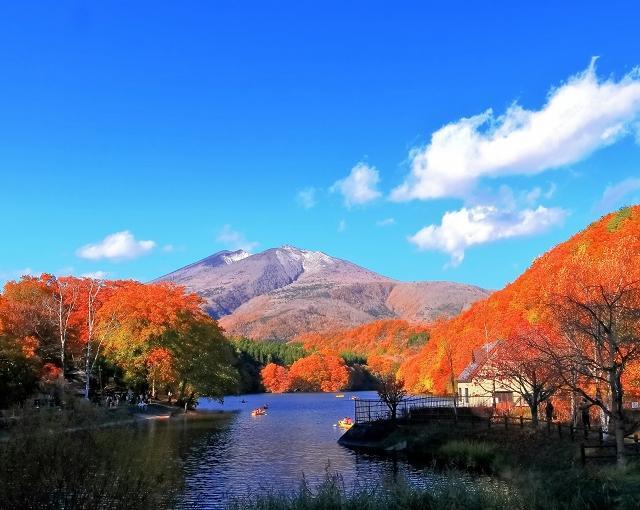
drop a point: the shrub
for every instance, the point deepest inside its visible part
(469, 455)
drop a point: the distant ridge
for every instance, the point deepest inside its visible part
(282, 292)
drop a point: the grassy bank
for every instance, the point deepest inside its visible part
(574, 490)
(66, 459)
(539, 471)
(332, 494)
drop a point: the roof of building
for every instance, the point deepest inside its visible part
(478, 358)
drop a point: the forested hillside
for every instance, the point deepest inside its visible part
(602, 258)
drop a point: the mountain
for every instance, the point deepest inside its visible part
(282, 292)
(605, 248)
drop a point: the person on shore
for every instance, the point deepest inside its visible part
(169, 395)
(549, 411)
(584, 410)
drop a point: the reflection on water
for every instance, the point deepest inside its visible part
(237, 455)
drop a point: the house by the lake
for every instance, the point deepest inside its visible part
(479, 385)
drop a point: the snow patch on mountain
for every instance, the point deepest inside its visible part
(234, 256)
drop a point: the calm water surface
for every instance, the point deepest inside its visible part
(237, 455)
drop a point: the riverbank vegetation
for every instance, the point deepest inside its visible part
(568, 327)
(573, 490)
(52, 459)
(279, 367)
(481, 469)
(316, 372)
(81, 334)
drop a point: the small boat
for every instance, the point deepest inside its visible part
(258, 412)
(355, 397)
(345, 423)
(340, 395)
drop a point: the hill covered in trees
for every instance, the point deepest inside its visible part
(595, 264)
(380, 344)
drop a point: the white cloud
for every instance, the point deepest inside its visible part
(615, 194)
(306, 198)
(342, 225)
(359, 187)
(482, 224)
(119, 246)
(96, 275)
(579, 117)
(387, 222)
(235, 240)
(168, 248)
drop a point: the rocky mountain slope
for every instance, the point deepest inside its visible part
(282, 292)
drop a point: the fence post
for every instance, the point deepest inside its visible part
(600, 436)
(586, 432)
(521, 422)
(506, 422)
(559, 430)
(571, 431)
(489, 422)
(548, 427)
(582, 455)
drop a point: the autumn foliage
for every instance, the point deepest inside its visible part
(317, 372)
(149, 334)
(275, 378)
(382, 343)
(605, 252)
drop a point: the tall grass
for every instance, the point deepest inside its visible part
(333, 495)
(65, 460)
(574, 490)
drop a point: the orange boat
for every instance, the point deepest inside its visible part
(258, 412)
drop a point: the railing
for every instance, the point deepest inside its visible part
(367, 411)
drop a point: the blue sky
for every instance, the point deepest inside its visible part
(356, 128)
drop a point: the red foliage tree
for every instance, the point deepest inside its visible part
(275, 378)
(319, 372)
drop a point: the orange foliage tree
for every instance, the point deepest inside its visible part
(135, 314)
(67, 322)
(275, 378)
(318, 372)
(384, 343)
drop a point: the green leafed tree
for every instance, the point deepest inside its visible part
(202, 360)
(18, 377)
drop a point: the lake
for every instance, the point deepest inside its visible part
(237, 455)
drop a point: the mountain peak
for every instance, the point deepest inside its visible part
(284, 291)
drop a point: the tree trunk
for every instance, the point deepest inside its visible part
(87, 372)
(617, 406)
(62, 349)
(621, 459)
(534, 414)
